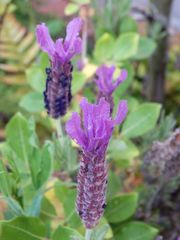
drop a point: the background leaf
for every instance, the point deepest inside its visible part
(126, 46)
(71, 8)
(123, 152)
(136, 231)
(36, 78)
(22, 228)
(121, 207)
(128, 24)
(66, 233)
(32, 102)
(141, 120)
(146, 47)
(104, 47)
(18, 137)
(79, 79)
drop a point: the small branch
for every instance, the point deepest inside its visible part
(59, 128)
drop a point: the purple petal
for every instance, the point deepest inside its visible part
(60, 49)
(102, 110)
(121, 112)
(72, 31)
(74, 130)
(87, 109)
(105, 77)
(44, 39)
(75, 49)
(121, 78)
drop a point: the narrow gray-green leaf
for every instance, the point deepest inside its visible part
(18, 137)
(5, 186)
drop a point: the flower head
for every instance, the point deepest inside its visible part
(93, 135)
(104, 79)
(61, 50)
(97, 124)
(57, 94)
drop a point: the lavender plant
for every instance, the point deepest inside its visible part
(93, 135)
(28, 166)
(57, 95)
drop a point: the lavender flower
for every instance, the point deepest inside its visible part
(93, 135)
(105, 83)
(57, 95)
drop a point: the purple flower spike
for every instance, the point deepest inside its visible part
(93, 133)
(105, 83)
(57, 95)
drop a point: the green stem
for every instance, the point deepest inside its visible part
(88, 234)
(59, 128)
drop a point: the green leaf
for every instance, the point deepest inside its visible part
(142, 120)
(48, 210)
(128, 24)
(36, 78)
(55, 26)
(104, 47)
(46, 165)
(35, 207)
(114, 185)
(136, 231)
(14, 206)
(43, 60)
(41, 165)
(79, 79)
(102, 231)
(32, 102)
(22, 228)
(67, 196)
(71, 8)
(121, 207)
(126, 46)
(18, 137)
(123, 151)
(65, 154)
(133, 103)
(66, 233)
(5, 186)
(35, 165)
(146, 47)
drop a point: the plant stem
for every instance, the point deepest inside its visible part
(88, 234)
(59, 128)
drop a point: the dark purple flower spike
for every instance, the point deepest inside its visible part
(93, 134)
(105, 83)
(57, 95)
